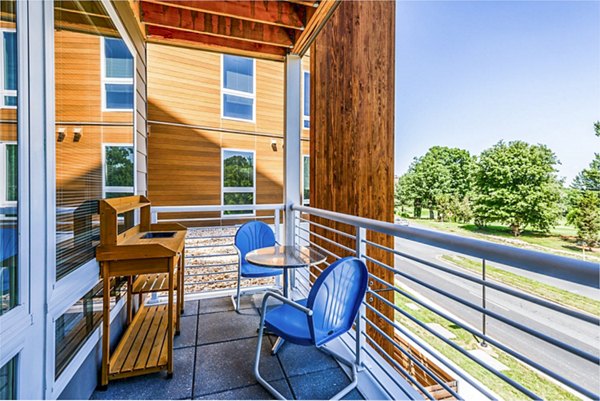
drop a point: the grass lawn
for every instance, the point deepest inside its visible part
(516, 370)
(528, 285)
(561, 240)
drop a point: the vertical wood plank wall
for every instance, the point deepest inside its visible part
(352, 128)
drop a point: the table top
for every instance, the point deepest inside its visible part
(280, 256)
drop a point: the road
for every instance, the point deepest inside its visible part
(580, 334)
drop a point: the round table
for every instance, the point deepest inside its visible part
(285, 257)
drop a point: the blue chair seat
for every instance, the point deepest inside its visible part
(289, 323)
(253, 271)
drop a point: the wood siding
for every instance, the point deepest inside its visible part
(352, 129)
(187, 131)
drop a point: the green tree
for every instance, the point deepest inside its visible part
(516, 184)
(432, 179)
(584, 201)
(238, 171)
(119, 166)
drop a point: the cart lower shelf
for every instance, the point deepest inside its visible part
(144, 347)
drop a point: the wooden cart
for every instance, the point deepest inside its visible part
(152, 257)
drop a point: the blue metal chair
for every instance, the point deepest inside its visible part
(327, 313)
(250, 236)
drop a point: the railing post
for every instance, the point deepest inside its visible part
(276, 223)
(483, 303)
(361, 251)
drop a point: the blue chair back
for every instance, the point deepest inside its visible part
(335, 299)
(253, 235)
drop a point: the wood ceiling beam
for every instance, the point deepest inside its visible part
(214, 43)
(280, 13)
(314, 26)
(215, 25)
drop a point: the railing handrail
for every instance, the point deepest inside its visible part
(215, 208)
(568, 269)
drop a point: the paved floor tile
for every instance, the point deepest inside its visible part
(226, 326)
(156, 385)
(255, 392)
(190, 308)
(187, 334)
(320, 385)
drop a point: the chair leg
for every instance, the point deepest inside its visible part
(236, 299)
(352, 367)
(257, 375)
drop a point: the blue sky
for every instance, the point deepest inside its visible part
(470, 73)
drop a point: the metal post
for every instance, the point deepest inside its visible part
(292, 147)
(483, 303)
(361, 251)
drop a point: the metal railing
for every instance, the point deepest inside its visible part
(355, 232)
(211, 262)
(381, 343)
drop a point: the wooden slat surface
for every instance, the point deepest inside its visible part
(142, 347)
(145, 283)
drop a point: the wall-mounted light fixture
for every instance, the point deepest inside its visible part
(274, 145)
(77, 134)
(61, 134)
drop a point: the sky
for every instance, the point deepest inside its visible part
(472, 73)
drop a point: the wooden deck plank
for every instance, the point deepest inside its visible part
(119, 356)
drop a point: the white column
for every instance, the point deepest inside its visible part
(292, 150)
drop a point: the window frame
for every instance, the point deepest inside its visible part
(3, 177)
(225, 189)
(305, 202)
(233, 92)
(104, 80)
(3, 91)
(305, 117)
(108, 188)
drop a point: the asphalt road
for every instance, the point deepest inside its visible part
(582, 335)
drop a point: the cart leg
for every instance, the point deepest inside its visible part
(129, 300)
(170, 317)
(105, 324)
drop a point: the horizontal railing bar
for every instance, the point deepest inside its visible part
(327, 228)
(487, 338)
(212, 237)
(210, 265)
(428, 371)
(332, 242)
(215, 255)
(245, 217)
(507, 290)
(560, 344)
(212, 282)
(570, 269)
(210, 273)
(207, 246)
(215, 208)
(320, 247)
(490, 368)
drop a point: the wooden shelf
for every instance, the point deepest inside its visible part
(145, 283)
(143, 348)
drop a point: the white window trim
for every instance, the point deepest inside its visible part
(304, 116)
(106, 188)
(4, 92)
(3, 181)
(106, 80)
(247, 95)
(305, 202)
(225, 190)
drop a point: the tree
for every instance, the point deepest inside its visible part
(516, 184)
(584, 201)
(442, 172)
(119, 166)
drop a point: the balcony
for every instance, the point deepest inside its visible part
(411, 347)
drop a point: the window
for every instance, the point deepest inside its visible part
(8, 180)
(238, 180)
(8, 380)
(117, 78)
(238, 88)
(118, 171)
(305, 180)
(74, 326)
(306, 102)
(8, 72)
